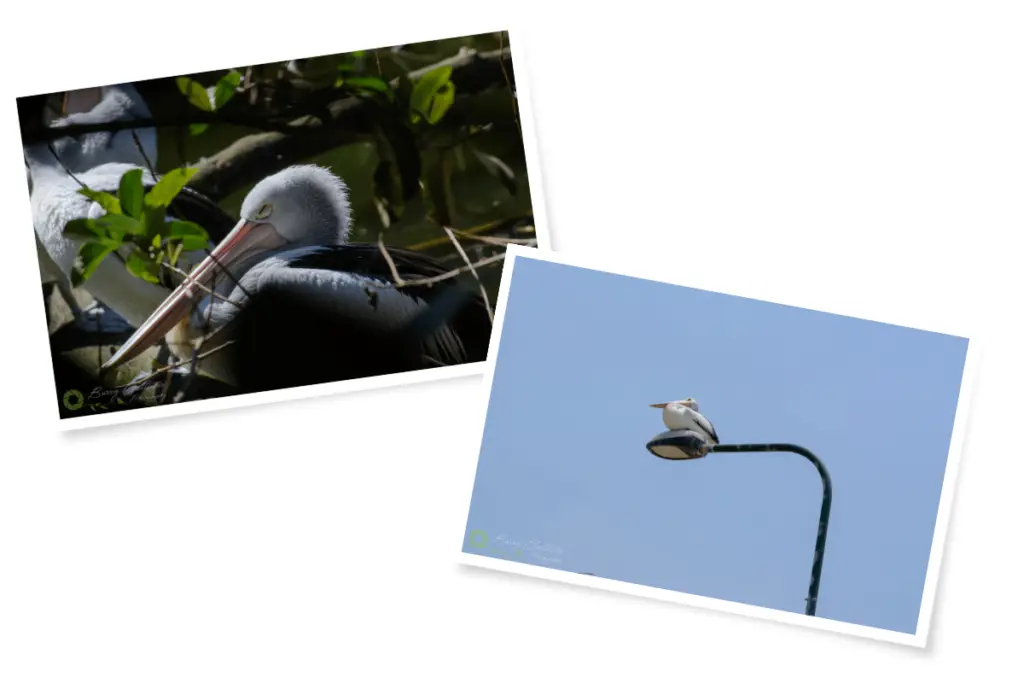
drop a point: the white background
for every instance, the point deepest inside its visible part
(860, 157)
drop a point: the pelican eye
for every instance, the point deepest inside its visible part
(264, 212)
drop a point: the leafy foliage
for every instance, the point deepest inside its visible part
(431, 121)
(425, 135)
(432, 95)
(226, 88)
(195, 92)
(209, 100)
(136, 219)
(433, 142)
(365, 85)
(130, 193)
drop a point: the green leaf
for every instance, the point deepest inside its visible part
(195, 93)
(197, 128)
(425, 88)
(184, 228)
(168, 187)
(92, 254)
(118, 225)
(154, 222)
(192, 236)
(366, 83)
(441, 102)
(226, 88)
(193, 243)
(107, 201)
(430, 82)
(84, 228)
(130, 193)
(175, 253)
(143, 267)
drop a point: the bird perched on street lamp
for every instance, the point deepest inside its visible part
(684, 416)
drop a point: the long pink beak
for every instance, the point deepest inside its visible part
(79, 101)
(658, 405)
(245, 240)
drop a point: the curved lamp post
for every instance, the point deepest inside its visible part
(687, 445)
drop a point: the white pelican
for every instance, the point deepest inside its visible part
(115, 103)
(98, 160)
(685, 415)
(90, 105)
(297, 294)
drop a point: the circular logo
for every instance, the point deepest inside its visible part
(73, 399)
(477, 538)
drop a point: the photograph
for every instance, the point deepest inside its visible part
(337, 219)
(715, 450)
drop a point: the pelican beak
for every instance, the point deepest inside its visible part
(658, 405)
(80, 101)
(247, 239)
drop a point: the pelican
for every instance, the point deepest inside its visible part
(90, 105)
(287, 287)
(108, 104)
(685, 415)
(98, 160)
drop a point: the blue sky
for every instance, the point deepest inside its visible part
(564, 479)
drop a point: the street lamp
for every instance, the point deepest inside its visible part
(687, 445)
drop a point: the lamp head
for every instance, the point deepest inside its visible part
(678, 445)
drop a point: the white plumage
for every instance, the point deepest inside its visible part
(98, 161)
(290, 247)
(685, 415)
(55, 201)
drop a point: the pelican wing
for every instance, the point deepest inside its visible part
(706, 425)
(456, 329)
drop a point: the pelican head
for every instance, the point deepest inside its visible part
(690, 403)
(298, 207)
(304, 205)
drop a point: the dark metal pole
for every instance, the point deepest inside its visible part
(826, 505)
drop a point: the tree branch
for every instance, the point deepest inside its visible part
(350, 119)
(469, 264)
